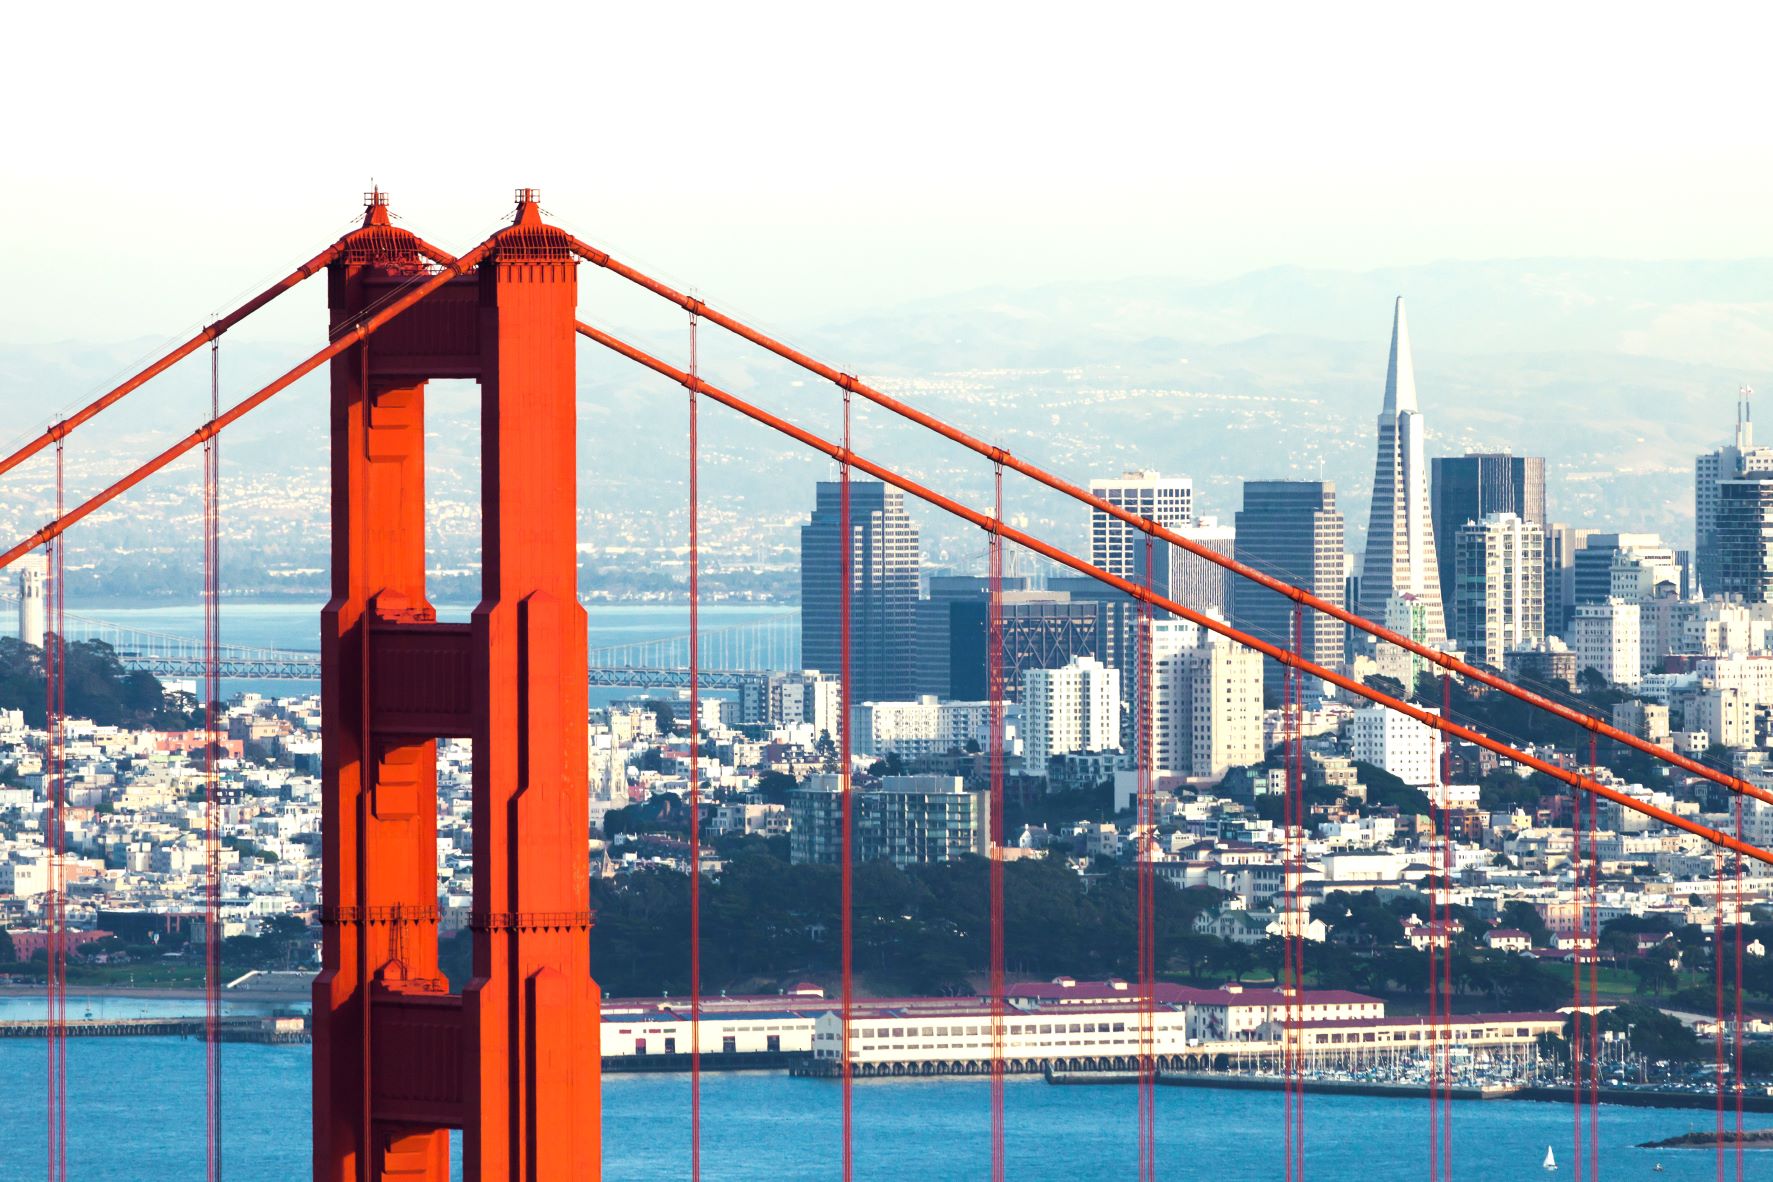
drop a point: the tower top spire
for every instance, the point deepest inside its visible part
(375, 207)
(1400, 374)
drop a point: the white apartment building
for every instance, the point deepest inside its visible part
(1606, 640)
(1395, 743)
(1499, 587)
(926, 726)
(1215, 722)
(1075, 707)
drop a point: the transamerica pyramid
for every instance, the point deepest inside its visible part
(1399, 557)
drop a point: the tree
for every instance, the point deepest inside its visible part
(1524, 917)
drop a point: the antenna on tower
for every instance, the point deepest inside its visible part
(1745, 427)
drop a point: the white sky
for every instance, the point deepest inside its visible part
(804, 161)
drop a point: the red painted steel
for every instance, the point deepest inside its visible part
(1210, 623)
(695, 774)
(846, 857)
(1299, 595)
(209, 333)
(995, 830)
(1145, 851)
(212, 829)
(398, 1061)
(55, 681)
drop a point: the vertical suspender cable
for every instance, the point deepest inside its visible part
(994, 867)
(55, 907)
(212, 936)
(1736, 1074)
(1145, 851)
(1580, 929)
(1438, 816)
(1717, 972)
(846, 858)
(1288, 1097)
(695, 788)
(1297, 922)
(1594, 974)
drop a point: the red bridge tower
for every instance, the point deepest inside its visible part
(398, 1060)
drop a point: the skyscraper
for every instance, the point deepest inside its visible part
(1400, 535)
(1499, 587)
(1119, 548)
(1075, 707)
(1741, 458)
(1742, 542)
(883, 590)
(1290, 529)
(1469, 488)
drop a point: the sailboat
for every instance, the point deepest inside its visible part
(1551, 1163)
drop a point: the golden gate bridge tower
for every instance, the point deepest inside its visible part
(399, 1060)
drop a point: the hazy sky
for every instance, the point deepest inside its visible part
(802, 161)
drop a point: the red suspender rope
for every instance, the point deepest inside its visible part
(994, 682)
(1145, 850)
(55, 655)
(1594, 973)
(695, 788)
(847, 857)
(1289, 1100)
(212, 911)
(1738, 916)
(1717, 967)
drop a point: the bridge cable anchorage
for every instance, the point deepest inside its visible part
(212, 938)
(695, 791)
(209, 333)
(846, 756)
(63, 520)
(1145, 849)
(55, 681)
(994, 679)
(1299, 595)
(1218, 627)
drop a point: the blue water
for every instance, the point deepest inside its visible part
(136, 1104)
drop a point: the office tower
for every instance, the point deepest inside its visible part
(1606, 641)
(1499, 587)
(1039, 630)
(1290, 529)
(33, 604)
(1741, 458)
(1470, 488)
(1119, 548)
(1198, 582)
(1561, 544)
(1400, 534)
(1207, 702)
(1742, 542)
(935, 625)
(883, 590)
(1626, 566)
(1075, 707)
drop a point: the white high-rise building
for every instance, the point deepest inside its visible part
(1400, 530)
(33, 603)
(1607, 641)
(925, 726)
(1075, 707)
(1206, 702)
(1398, 744)
(1499, 583)
(1118, 547)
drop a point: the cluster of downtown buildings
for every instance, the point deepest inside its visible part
(1461, 554)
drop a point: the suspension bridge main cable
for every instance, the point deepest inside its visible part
(1446, 661)
(1210, 623)
(345, 338)
(209, 333)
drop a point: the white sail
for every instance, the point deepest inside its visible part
(1551, 1163)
